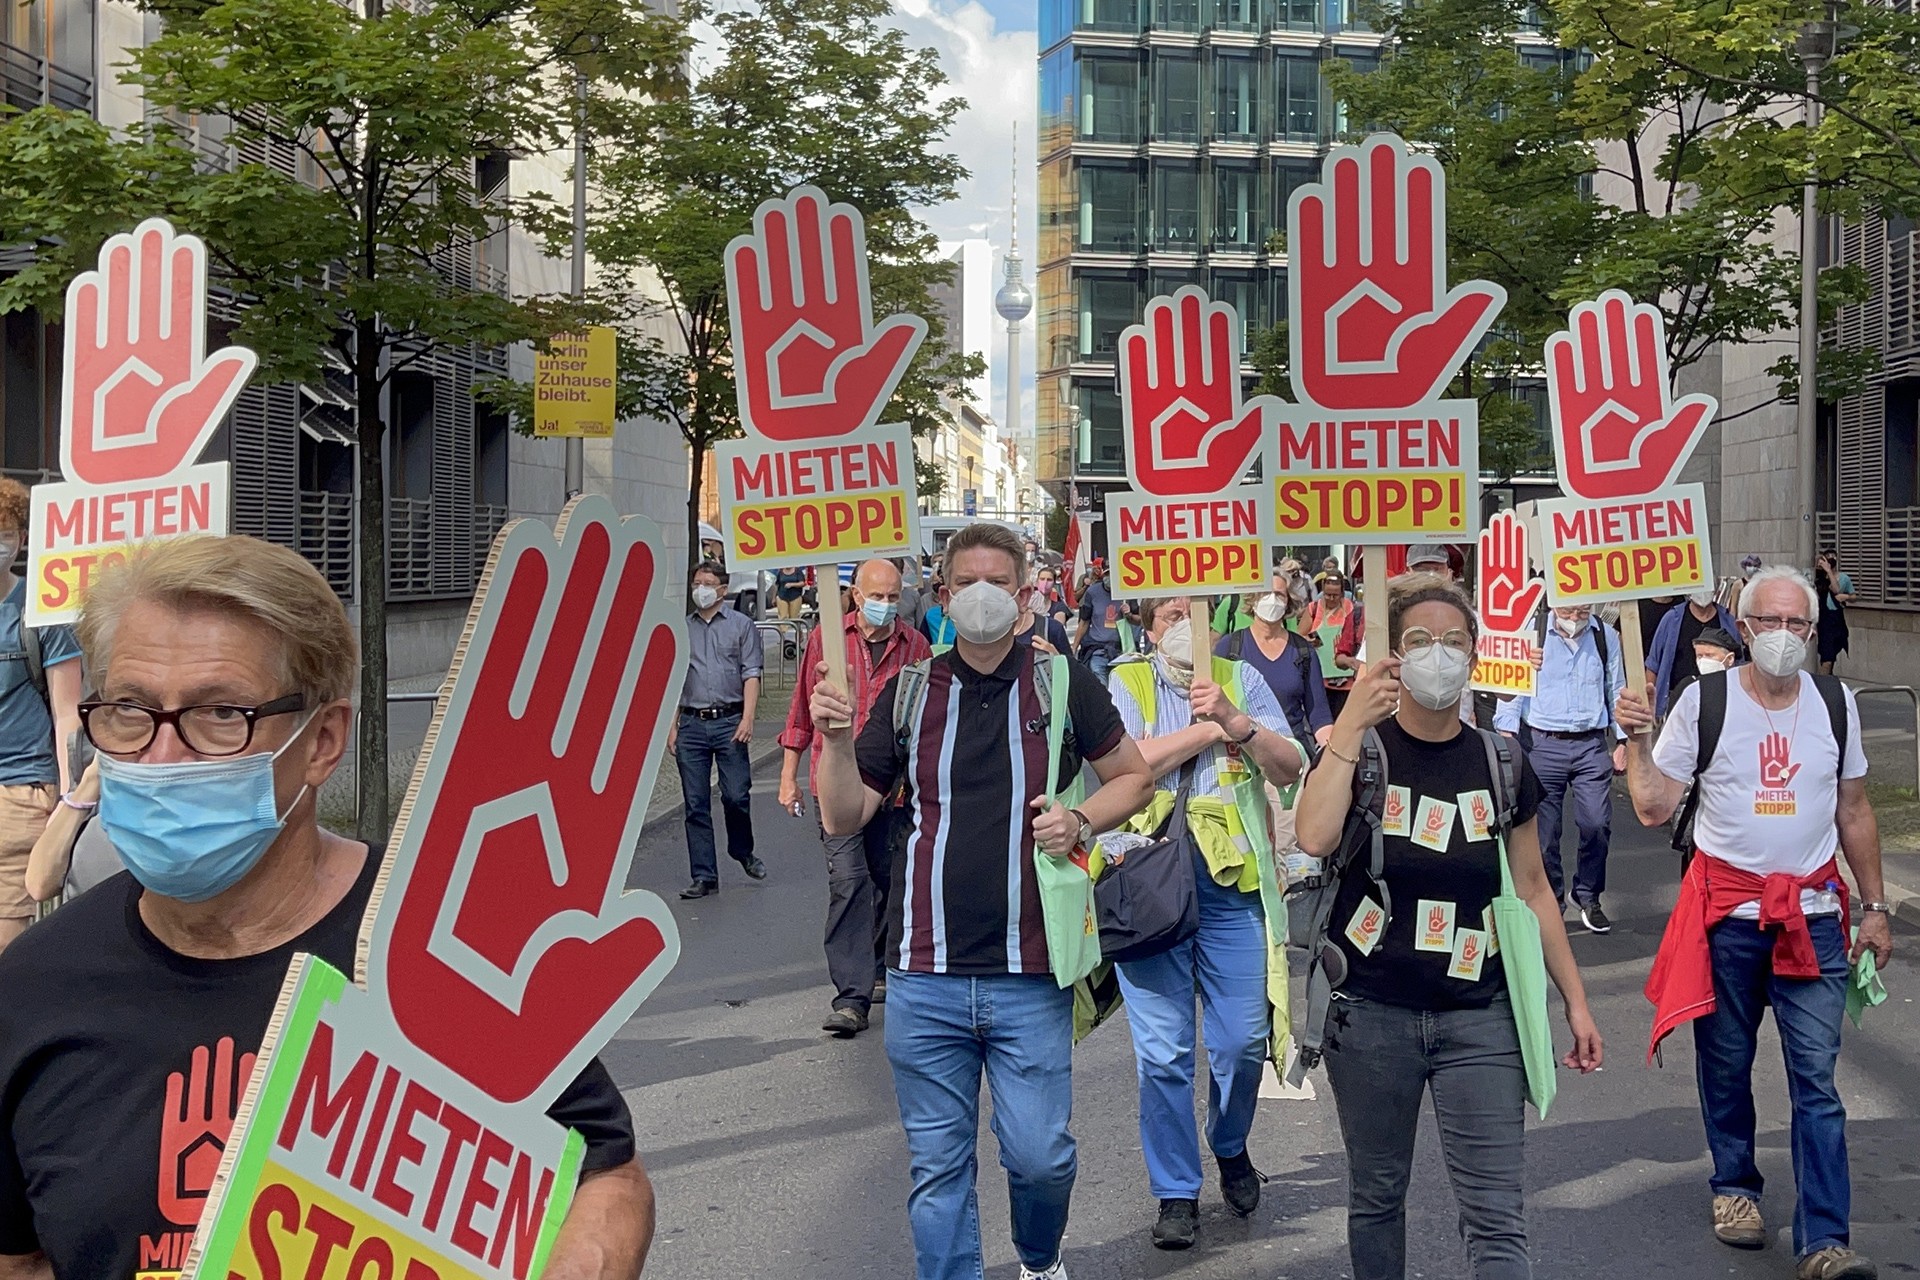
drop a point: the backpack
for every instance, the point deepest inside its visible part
(1713, 717)
(1305, 656)
(79, 747)
(1310, 904)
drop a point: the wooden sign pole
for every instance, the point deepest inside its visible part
(1202, 627)
(1378, 643)
(833, 628)
(1633, 649)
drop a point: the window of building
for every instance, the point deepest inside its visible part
(1281, 306)
(1826, 475)
(1110, 208)
(1176, 15)
(1239, 220)
(1176, 98)
(412, 472)
(1056, 20)
(1246, 292)
(1056, 313)
(1288, 177)
(1164, 284)
(1297, 97)
(1176, 205)
(1351, 15)
(1110, 99)
(1236, 99)
(1108, 304)
(1056, 106)
(1240, 15)
(1104, 438)
(1108, 15)
(1059, 209)
(1296, 15)
(1902, 446)
(24, 399)
(1342, 124)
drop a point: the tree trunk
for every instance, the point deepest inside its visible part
(370, 760)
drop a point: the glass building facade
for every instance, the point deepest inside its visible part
(1172, 133)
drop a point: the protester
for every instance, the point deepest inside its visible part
(859, 865)
(1287, 661)
(225, 669)
(1333, 621)
(969, 987)
(1670, 652)
(1713, 650)
(39, 713)
(1409, 1015)
(913, 599)
(73, 854)
(715, 723)
(1430, 557)
(1763, 911)
(1036, 627)
(935, 625)
(788, 584)
(1750, 564)
(1097, 643)
(1057, 609)
(1835, 590)
(1574, 747)
(1214, 739)
(1652, 613)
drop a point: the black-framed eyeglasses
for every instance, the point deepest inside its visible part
(209, 729)
(1802, 627)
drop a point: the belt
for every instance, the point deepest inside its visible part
(714, 713)
(1568, 735)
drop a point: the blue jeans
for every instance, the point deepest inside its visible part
(1807, 1013)
(1380, 1060)
(1582, 768)
(1227, 960)
(701, 745)
(942, 1031)
(1098, 661)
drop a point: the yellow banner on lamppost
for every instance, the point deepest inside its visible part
(573, 385)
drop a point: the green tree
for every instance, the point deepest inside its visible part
(352, 251)
(826, 92)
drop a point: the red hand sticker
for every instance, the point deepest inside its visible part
(1469, 949)
(1437, 916)
(1436, 821)
(1374, 324)
(1481, 814)
(141, 395)
(504, 942)
(1777, 769)
(1509, 593)
(809, 361)
(1618, 432)
(195, 1126)
(1180, 396)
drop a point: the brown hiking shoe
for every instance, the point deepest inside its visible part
(1737, 1221)
(1836, 1263)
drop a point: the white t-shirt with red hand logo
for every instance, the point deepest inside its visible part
(1767, 798)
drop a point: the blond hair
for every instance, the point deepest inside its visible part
(242, 578)
(13, 504)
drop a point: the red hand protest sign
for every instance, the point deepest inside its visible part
(397, 1126)
(140, 399)
(1509, 597)
(1190, 523)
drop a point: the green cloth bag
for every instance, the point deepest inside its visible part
(1525, 961)
(1066, 890)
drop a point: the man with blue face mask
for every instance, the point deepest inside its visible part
(859, 865)
(133, 1015)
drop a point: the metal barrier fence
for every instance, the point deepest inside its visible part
(789, 639)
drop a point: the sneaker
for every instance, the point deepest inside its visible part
(1737, 1221)
(1174, 1228)
(1836, 1262)
(845, 1023)
(755, 869)
(1240, 1183)
(700, 889)
(1058, 1271)
(1594, 918)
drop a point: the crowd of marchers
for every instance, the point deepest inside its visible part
(1397, 819)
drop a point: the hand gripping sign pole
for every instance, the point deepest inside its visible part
(1189, 526)
(140, 397)
(1627, 531)
(816, 481)
(1370, 454)
(396, 1125)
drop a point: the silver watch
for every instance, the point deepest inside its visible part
(1884, 908)
(1084, 837)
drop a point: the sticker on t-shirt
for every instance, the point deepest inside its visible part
(1433, 824)
(1476, 814)
(1776, 797)
(1393, 822)
(1470, 949)
(1368, 923)
(1493, 932)
(1434, 929)
(1230, 766)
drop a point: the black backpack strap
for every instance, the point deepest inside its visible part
(1713, 717)
(36, 660)
(1503, 766)
(1834, 694)
(1236, 645)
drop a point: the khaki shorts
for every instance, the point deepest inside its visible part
(24, 811)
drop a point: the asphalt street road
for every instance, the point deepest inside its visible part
(777, 1151)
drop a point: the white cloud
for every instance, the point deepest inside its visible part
(996, 70)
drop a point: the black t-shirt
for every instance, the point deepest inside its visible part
(955, 905)
(99, 1021)
(1685, 668)
(1465, 877)
(1651, 614)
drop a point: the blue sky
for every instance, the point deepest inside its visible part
(1012, 15)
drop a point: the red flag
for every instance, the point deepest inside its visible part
(1071, 554)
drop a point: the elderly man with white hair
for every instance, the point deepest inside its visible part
(1763, 912)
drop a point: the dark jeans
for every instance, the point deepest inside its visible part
(1807, 1013)
(703, 744)
(1582, 767)
(859, 875)
(1380, 1060)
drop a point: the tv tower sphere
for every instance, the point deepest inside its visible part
(1014, 302)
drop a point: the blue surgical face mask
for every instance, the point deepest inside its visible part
(191, 831)
(879, 613)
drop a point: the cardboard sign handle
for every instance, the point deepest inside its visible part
(1633, 650)
(833, 627)
(1378, 646)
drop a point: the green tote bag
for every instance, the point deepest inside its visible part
(1066, 891)
(1526, 968)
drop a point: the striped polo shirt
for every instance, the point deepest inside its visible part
(965, 898)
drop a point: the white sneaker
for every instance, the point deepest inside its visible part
(1058, 1271)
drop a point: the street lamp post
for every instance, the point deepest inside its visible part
(576, 451)
(1816, 44)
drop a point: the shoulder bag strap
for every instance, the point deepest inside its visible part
(1056, 718)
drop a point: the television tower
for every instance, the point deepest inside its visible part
(1014, 302)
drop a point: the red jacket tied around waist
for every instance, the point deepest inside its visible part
(1681, 984)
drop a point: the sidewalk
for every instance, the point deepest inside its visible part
(1890, 742)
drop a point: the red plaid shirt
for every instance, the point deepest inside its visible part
(904, 646)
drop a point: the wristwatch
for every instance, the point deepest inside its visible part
(1253, 729)
(1884, 908)
(1084, 837)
